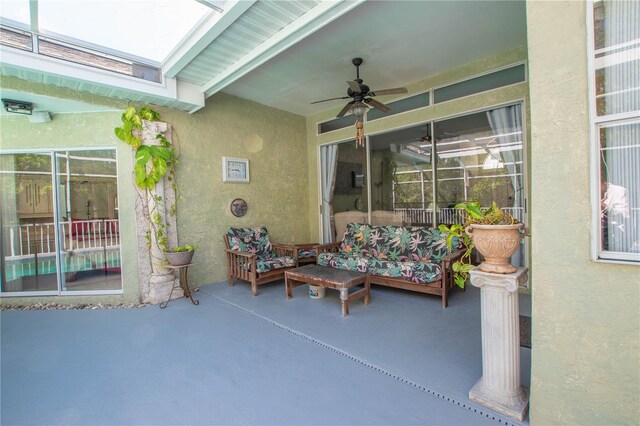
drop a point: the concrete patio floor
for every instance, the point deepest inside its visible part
(238, 359)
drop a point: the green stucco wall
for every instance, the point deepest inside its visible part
(586, 326)
(273, 141)
(497, 97)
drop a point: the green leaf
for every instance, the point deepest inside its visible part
(129, 113)
(450, 238)
(443, 228)
(141, 175)
(459, 281)
(135, 142)
(119, 131)
(474, 211)
(128, 126)
(148, 114)
(466, 267)
(136, 121)
(142, 156)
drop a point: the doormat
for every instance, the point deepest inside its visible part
(525, 331)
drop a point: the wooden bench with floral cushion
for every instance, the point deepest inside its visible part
(411, 258)
(252, 257)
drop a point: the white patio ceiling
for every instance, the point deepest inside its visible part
(287, 54)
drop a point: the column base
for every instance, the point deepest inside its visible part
(512, 406)
(161, 286)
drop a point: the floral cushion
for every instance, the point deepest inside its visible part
(417, 272)
(266, 265)
(251, 240)
(354, 240)
(398, 243)
(307, 253)
(342, 261)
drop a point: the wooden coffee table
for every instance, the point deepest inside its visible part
(326, 277)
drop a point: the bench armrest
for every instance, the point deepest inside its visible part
(305, 246)
(328, 248)
(240, 253)
(283, 250)
(452, 257)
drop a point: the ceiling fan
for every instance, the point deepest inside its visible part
(362, 95)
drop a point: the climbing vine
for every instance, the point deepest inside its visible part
(152, 163)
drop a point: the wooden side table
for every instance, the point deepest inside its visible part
(182, 283)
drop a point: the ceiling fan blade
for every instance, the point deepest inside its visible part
(394, 91)
(353, 85)
(377, 105)
(330, 99)
(344, 110)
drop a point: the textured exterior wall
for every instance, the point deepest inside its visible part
(585, 359)
(86, 130)
(273, 141)
(467, 104)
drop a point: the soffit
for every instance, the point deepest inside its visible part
(95, 88)
(257, 25)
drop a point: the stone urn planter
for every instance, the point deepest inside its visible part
(179, 258)
(497, 243)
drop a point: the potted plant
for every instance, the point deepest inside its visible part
(495, 233)
(181, 255)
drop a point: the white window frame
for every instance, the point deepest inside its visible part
(595, 124)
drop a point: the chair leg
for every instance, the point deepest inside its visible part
(254, 288)
(230, 280)
(445, 302)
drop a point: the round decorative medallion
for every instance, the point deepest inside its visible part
(239, 207)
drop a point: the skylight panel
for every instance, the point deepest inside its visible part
(148, 29)
(15, 10)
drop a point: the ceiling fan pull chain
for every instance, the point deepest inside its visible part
(359, 134)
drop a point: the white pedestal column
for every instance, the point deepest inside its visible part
(499, 388)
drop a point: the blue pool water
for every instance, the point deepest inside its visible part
(17, 268)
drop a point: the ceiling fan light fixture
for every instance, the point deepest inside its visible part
(359, 110)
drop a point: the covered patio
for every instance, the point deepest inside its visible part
(236, 359)
(529, 104)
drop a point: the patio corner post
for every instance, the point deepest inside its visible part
(500, 387)
(155, 281)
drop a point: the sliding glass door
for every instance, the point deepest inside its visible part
(29, 262)
(418, 174)
(60, 232)
(480, 158)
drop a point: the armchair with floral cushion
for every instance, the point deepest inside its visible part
(252, 257)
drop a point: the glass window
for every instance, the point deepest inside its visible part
(407, 104)
(15, 38)
(479, 84)
(337, 123)
(402, 177)
(480, 159)
(620, 189)
(615, 74)
(344, 188)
